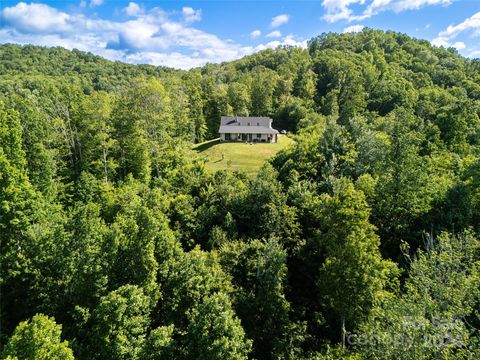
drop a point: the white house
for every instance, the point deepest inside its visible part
(251, 129)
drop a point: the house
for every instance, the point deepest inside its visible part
(251, 129)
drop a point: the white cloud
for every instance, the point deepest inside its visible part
(34, 18)
(378, 6)
(470, 26)
(353, 29)
(459, 45)
(474, 54)
(337, 10)
(275, 33)
(191, 15)
(151, 37)
(288, 40)
(440, 42)
(255, 33)
(132, 9)
(94, 3)
(279, 20)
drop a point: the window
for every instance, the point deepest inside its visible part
(228, 137)
(259, 136)
(258, 124)
(248, 124)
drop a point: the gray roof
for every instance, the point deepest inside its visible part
(244, 120)
(236, 129)
(246, 125)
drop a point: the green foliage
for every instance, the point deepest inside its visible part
(194, 276)
(39, 339)
(120, 323)
(353, 276)
(259, 275)
(262, 91)
(214, 332)
(91, 255)
(436, 314)
(112, 223)
(238, 98)
(159, 344)
(95, 128)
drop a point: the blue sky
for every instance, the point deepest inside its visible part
(186, 34)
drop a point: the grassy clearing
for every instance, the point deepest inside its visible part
(239, 156)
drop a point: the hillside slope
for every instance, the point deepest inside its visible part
(246, 157)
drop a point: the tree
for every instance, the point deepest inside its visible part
(220, 200)
(26, 221)
(261, 93)
(159, 344)
(120, 324)
(215, 106)
(37, 339)
(95, 128)
(132, 151)
(403, 193)
(38, 137)
(238, 98)
(91, 256)
(196, 102)
(436, 315)
(352, 277)
(304, 85)
(215, 332)
(143, 128)
(191, 278)
(290, 114)
(143, 244)
(339, 154)
(264, 212)
(259, 274)
(16, 192)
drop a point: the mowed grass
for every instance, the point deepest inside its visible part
(239, 156)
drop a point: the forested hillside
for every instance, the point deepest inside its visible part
(359, 241)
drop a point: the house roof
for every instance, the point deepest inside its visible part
(236, 129)
(243, 120)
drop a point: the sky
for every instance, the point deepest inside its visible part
(186, 34)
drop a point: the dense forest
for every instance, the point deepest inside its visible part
(359, 241)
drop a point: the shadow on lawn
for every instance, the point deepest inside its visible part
(207, 145)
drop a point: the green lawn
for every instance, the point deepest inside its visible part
(239, 156)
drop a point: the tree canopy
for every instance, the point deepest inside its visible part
(359, 241)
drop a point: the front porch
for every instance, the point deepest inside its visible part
(234, 137)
